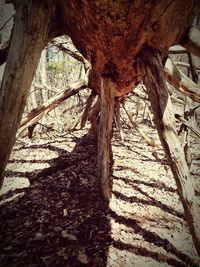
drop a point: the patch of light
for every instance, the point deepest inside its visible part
(14, 183)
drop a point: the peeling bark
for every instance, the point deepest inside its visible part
(154, 80)
(28, 39)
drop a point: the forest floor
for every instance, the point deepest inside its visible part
(52, 214)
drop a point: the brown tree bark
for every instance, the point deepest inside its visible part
(154, 80)
(104, 141)
(29, 36)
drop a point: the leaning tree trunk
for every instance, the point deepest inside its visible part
(104, 142)
(154, 80)
(28, 39)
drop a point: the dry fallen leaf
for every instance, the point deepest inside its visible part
(82, 257)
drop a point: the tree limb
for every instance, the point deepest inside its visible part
(186, 123)
(75, 54)
(181, 82)
(54, 101)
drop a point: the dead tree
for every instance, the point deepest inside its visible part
(154, 80)
(104, 141)
(28, 39)
(109, 35)
(55, 101)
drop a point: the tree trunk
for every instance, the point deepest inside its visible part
(154, 80)
(104, 142)
(87, 109)
(28, 39)
(117, 118)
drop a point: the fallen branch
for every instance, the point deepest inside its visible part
(186, 123)
(75, 54)
(154, 80)
(181, 82)
(149, 140)
(54, 101)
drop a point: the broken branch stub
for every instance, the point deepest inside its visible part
(154, 80)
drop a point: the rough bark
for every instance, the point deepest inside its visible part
(55, 101)
(28, 39)
(113, 33)
(104, 140)
(154, 80)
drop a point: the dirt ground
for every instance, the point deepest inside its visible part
(52, 214)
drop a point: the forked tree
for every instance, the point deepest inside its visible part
(126, 42)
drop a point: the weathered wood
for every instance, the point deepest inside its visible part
(188, 124)
(154, 80)
(149, 140)
(104, 140)
(117, 118)
(28, 39)
(93, 116)
(181, 82)
(55, 101)
(177, 49)
(192, 42)
(113, 33)
(87, 109)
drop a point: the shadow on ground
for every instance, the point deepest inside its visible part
(61, 220)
